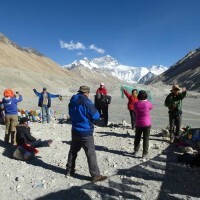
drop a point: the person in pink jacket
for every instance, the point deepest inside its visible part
(143, 123)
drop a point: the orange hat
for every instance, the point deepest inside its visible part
(8, 93)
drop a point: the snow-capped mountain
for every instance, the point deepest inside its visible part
(157, 69)
(147, 77)
(109, 65)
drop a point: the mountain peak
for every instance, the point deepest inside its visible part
(4, 39)
(7, 41)
(186, 72)
(109, 65)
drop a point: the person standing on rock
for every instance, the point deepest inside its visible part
(10, 102)
(132, 98)
(83, 113)
(45, 103)
(143, 123)
(174, 103)
(102, 100)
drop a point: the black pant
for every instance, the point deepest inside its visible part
(138, 133)
(103, 113)
(132, 114)
(174, 121)
(88, 145)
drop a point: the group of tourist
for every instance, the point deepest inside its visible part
(84, 114)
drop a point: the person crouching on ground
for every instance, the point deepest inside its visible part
(143, 123)
(24, 134)
(45, 103)
(132, 98)
(11, 114)
(83, 113)
(174, 103)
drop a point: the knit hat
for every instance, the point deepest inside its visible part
(8, 93)
(84, 89)
(23, 120)
(102, 84)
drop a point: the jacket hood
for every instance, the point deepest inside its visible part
(78, 99)
(7, 99)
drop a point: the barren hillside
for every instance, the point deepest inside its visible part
(22, 68)
(185, 72)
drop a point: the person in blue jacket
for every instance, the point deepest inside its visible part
(45, 103)
(83, 113)
(10, 102)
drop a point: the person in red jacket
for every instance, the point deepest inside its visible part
(132, 98)
(102, 89)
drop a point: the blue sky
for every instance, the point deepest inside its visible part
(135, 32)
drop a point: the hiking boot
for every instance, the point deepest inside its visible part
(49, 142)
(135, 153)
(99, 178)
(70, 173)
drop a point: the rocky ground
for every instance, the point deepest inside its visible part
(159, 177)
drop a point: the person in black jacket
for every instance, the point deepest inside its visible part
(24, 136)
(174, 103)
(101, 103)
(45, 102)
(2, 114)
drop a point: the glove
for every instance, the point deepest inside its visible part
(60, 97)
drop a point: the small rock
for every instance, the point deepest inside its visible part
(18, 186)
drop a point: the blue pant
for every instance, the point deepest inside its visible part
(45, 114)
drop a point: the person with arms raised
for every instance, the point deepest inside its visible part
(174, 103)
(45, 103)
(10, 102)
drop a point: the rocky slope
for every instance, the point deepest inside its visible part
(186, 72)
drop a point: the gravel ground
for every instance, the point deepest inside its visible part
(158, 177)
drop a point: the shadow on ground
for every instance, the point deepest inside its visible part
(36, 161)
(115, 134)
(103, 148)
(176, 180)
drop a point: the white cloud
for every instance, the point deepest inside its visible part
(99, 50)
(79, 46)
(79, 54)
(71, 45)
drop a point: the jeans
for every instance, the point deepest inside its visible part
(138, 133)
(45, 114)
(88, 145)
(132, 114)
